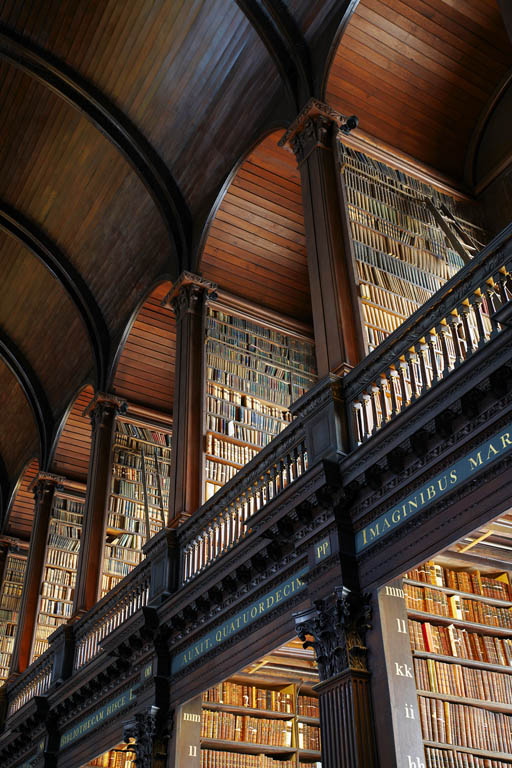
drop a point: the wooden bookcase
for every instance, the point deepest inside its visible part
(139, 493)
(248, 722)
(253, 372)
(460, 626)
(119, 756)
(58, 580)
(402, 255)
(10, 599)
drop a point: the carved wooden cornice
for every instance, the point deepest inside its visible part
(313, 127)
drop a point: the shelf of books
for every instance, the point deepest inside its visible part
(460, 627)
(262, 718)
(60, 565)
(139, 493)
(253, 373)
(119, 756)
(10, 600)
(402, 255)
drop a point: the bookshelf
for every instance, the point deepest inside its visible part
(402, 254)
(139, 493)
(10, 600)
(460, 628)
(253, 373)
(119, 756)
(58, 581)
(267, 715)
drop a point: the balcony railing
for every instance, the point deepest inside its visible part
(450, 328)
(458, 321)
(221, 523)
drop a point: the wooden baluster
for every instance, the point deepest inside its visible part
(305, 458)
(357, 426)
(499, 282)
(454, 322)
(442, 331)
(410, 357)
(477, 301)
(464, 312)
(366, 410)
(490, 293)
(375, 392)
(286, 462)
(383, 399)
(425, 382)
(432, 355)
(402, 369)
(393, 375)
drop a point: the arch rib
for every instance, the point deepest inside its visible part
(33, 389)
(16, 225)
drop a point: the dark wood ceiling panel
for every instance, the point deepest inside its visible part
(21, 510)
(419, 73)
(256, 245)
(71, 457)
(145, 371)
(61, 172)
(42, 321)
(176, 68)
(18, 434)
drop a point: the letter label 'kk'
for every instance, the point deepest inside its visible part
(402, 670)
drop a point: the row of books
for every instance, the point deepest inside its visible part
(240, 695)
(65, 541)
(433, 601)
(219, 473)
(454, 641)
(126, 507)
(62, 559)
(245, 728)
(307, 706)
(238, 431)
(474, 582)
(256, 384)
(393, 267)
(55, 607)
(396, 286)
(274, 421)
(465, 726)
(280, 368)
(59, 576)
(122, 546)
(144, 433)
(115, 758)
(163, 451)
(250, 403)
(309, 737)
(447, 758)
(127, 523)
(223, 449)
(458, 680)
(134, 459)
(212, 758)
(116, 567)
(56, 590)
(379, 297)
(12, 588)
(6, 643)
(67, 509)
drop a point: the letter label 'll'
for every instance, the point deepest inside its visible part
(192, 750)
(402, 629)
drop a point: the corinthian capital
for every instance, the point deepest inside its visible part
(188, 294)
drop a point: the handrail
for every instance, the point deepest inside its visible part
(221, 522)
(448, 329)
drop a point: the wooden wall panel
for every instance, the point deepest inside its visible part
(419, 73)
(145, 371)
(256, 244)
(21, 511)
(71, 457)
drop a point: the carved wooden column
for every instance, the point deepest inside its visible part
(187, 299)
(336, 320)
(102, 410)
(44, 488)
(338, 625)
(148, 738)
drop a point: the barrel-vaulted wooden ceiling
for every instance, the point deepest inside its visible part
(140, 138)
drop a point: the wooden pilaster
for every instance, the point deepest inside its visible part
(102, 411)
(44, 488)
(187, 299)
(336, 321)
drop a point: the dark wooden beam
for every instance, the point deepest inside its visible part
(16, 225)
(285, 43)
(116, 127)
(33, 389)
(4, 492)
(326, 42)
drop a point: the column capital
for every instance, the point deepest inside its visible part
(142, 729)
(313, 127)
(103, 405)
(338, 625)
(187, 293)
